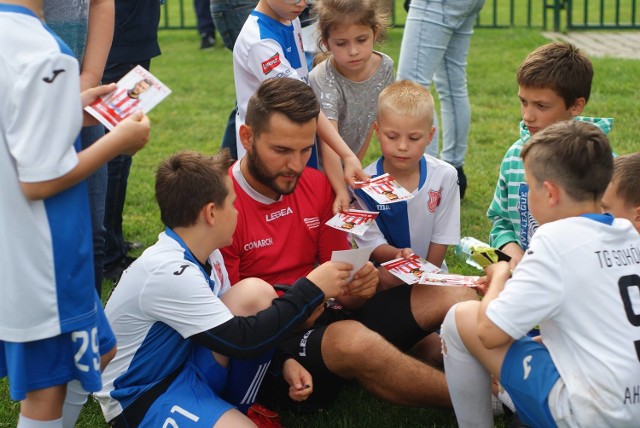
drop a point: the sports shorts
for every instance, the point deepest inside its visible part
(528, 374)
(388, 313)
(49, 362)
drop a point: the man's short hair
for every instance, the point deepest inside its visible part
(407, 98)
(561, 67)
(626, 177)
(576, 155)
(186, 182)
(290, 97)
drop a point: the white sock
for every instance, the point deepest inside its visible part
(25, 422)
(468, 381)
(73, 403)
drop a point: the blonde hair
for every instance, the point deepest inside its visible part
(407, 98)
(332, 13)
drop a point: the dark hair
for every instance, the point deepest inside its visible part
(561, 67)
(626, 177)
(186, 182)
(332, 13)
(574, 154)
(291, 97)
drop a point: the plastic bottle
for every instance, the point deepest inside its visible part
(463, 250)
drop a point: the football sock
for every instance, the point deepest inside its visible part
(73, 402)
(469, 383)
(244, 379)
(25, 422)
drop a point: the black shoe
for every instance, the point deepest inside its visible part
(207, 41)
(462, 181)
(113, 271)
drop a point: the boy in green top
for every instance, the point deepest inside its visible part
(554, 84)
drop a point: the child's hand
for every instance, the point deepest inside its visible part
(482, 285)
(299, 380)
(90, 95)
(403, 253)
(364, 282)
(331, 278)
(132, 133)
(353, 171)
(498, 270)
(342, 200)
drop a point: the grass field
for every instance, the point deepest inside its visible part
(194, 116)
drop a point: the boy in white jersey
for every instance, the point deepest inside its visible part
(50, 314)
(578, 280)
(622, 197)
(429, 222)
(191, 348)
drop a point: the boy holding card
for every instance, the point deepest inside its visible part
(430, 221)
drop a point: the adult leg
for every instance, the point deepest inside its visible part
(424, 43)
(352, 351)
(229, 17)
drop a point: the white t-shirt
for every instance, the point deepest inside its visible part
(46, 254)
(579, 280)
(432, 215)
(163, 298)
(265, 48)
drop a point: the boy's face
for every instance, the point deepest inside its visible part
(282, 10)
(543, 107)
(402, 139)
(227, 216)
(616, 206)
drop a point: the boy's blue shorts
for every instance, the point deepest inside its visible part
(528, 374)
(191, 400)
(49, 362)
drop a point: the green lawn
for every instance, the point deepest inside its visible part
(194, 116)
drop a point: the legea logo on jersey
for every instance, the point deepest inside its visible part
(271, 63)
(260, 243)
(277, 214)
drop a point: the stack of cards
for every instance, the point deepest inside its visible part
(384, 189)
(137, 90)
(410, 270)
(353, 221)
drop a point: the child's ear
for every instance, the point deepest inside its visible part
(577, 107)
(246, 136)
(553, 193)
(636, 218)
(431, 134)
(208, 213)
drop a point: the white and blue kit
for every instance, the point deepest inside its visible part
(432, 215)
(165, 308)
(265, 48)
(47, 289)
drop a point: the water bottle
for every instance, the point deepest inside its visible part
(463, 250)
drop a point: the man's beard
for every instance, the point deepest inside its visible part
(261, 173)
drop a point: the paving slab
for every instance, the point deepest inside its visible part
(615, 44)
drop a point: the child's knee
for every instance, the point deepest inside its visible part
(449, 335)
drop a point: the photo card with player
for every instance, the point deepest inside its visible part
(449, 280)
(137, 90)
(411, 269)
(384, 189)
(353, 221)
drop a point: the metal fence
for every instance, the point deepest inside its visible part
(559, 15)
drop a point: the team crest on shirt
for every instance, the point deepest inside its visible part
(312, 222)
(218, 269)
(271, 63)
(435, 196)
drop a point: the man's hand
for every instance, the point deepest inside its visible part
(364, 282)
(353, 170)
(299, 380)
(331, 278)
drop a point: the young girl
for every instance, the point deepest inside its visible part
(349, 81)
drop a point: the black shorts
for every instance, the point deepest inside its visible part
(388, 313)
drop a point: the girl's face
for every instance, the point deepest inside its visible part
(352, 49)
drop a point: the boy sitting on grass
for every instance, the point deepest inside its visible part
(554, 84)
(622, 197)
(429, 222)
(578, 281)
